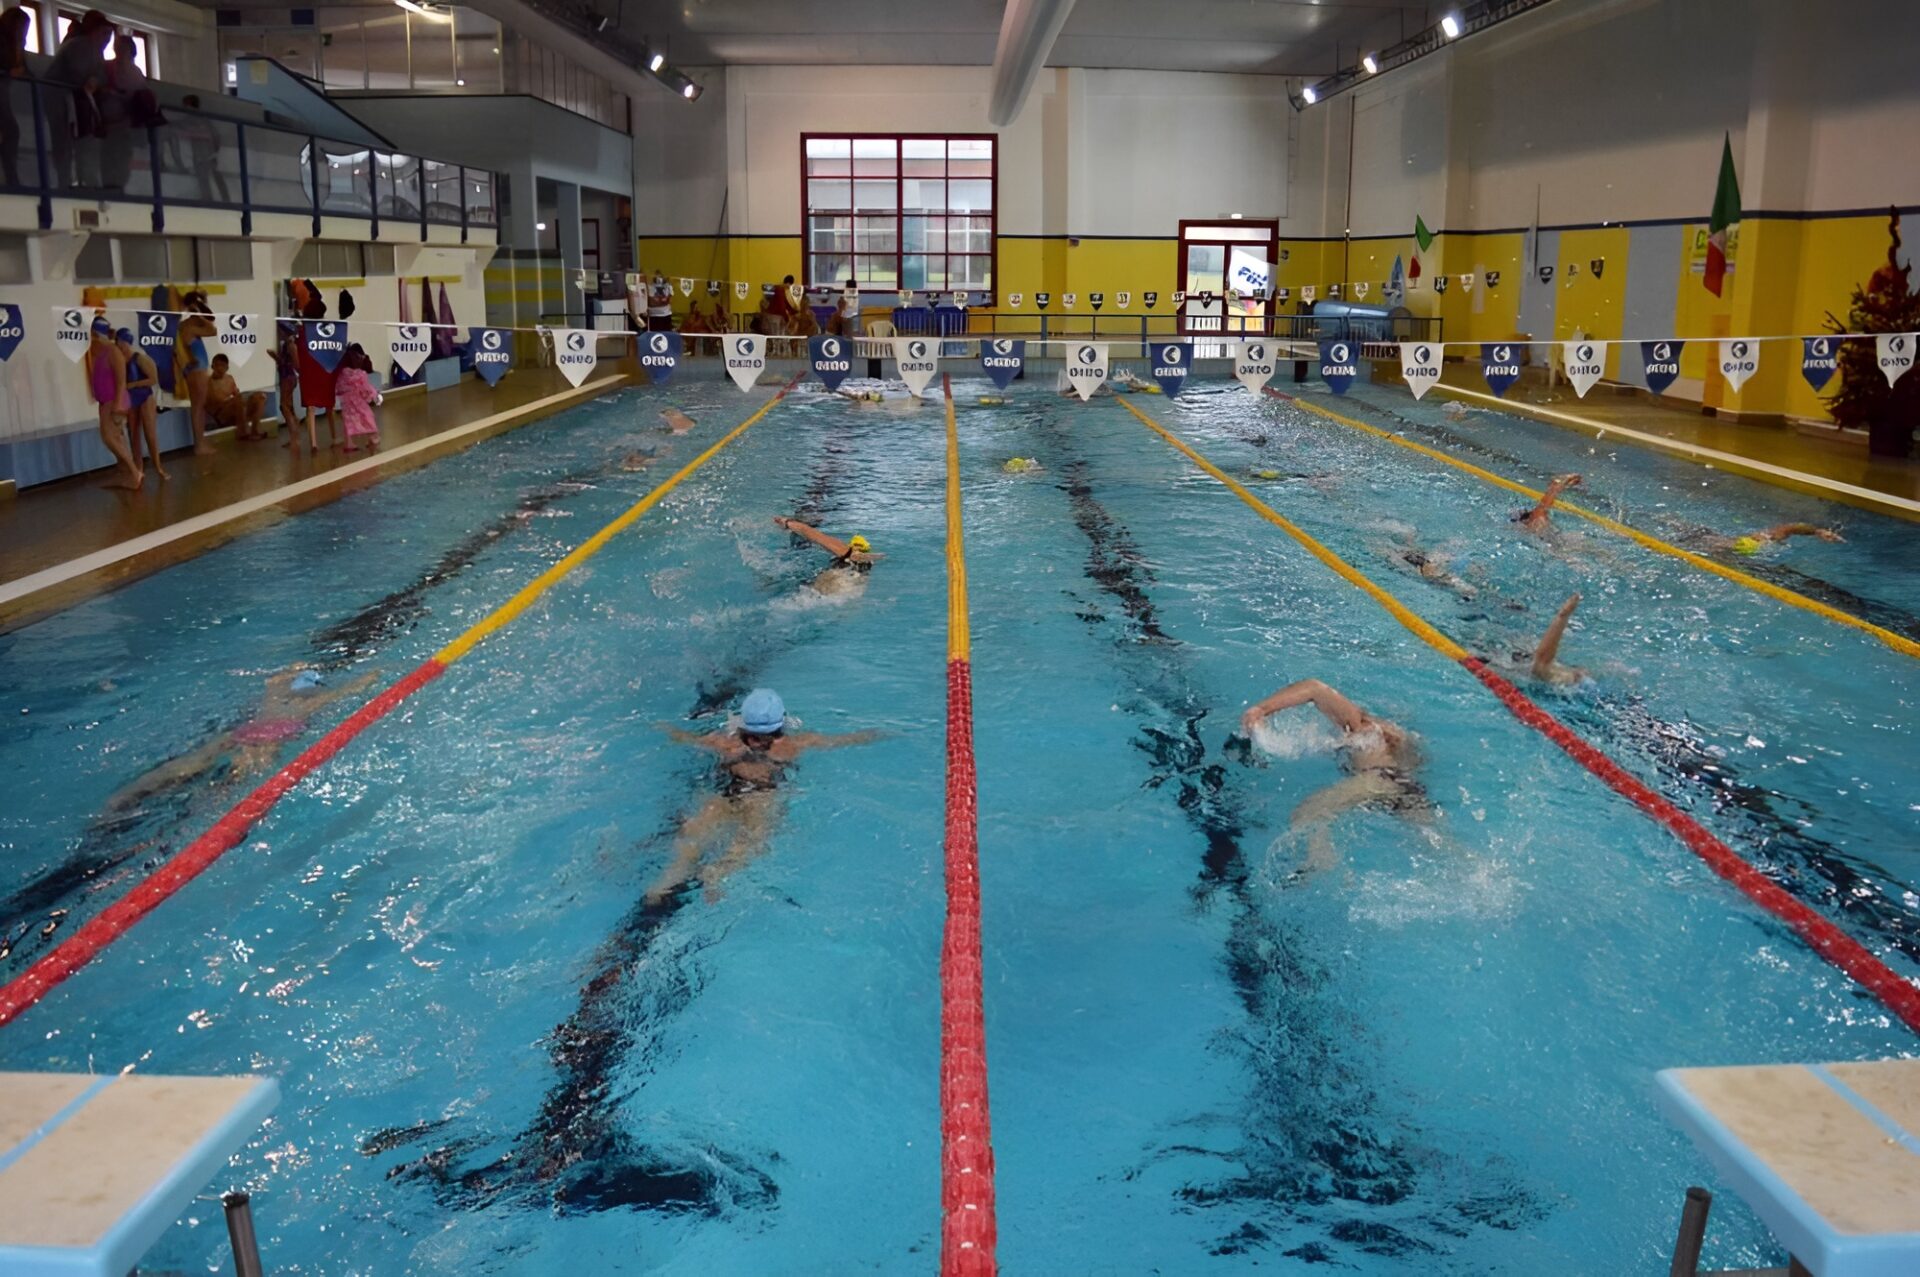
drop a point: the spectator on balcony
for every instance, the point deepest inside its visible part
(79, 69)
(127, 108)
(13, 66)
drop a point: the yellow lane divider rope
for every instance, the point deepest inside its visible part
(591, 546)
(1897, 642)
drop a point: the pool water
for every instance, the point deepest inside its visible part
(1435, 1056)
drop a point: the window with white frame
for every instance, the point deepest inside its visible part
(894, 211)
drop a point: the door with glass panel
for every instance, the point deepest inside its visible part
(1206, 253)
(893, 212)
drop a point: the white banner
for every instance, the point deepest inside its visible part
(740, 289)
(1360, 288)
(1247, 273)
(1014, 300)
(1253, 363)
(1067, 300)
(1893, 351)
(1308, 292)
(1420, 366)
(686, 286)
(1586, 362)
(409, 345)
(1123, 300)
(1738, 358)
(917, 362)
(746, 355)
(574, 353)
(1466, 283)
(1087, 368)
(71, 325)
(237, 336)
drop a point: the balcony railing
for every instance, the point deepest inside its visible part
(196, 159)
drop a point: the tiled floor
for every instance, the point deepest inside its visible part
(57, 523)
(1682, 427)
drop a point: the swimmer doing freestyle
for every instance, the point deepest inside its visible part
(1381, 759)
(751, 761)
(852, 559)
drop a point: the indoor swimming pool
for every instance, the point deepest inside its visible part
(1433, 1055)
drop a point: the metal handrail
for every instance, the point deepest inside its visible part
(318, 194)
(953, 323)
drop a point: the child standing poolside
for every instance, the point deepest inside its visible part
(354, 392)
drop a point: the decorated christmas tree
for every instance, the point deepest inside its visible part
(1887, 304)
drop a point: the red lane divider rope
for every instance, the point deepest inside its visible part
(968, 1231)
(1900, 995)
(110, 923)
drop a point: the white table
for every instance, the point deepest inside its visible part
(94, 1169)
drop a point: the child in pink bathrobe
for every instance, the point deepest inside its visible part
(353, 391)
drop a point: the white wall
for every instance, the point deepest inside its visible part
(1615, 110)
(1093, 152)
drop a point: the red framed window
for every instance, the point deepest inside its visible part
(899, 210)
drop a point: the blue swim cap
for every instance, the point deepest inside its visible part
(124, 335)
(306, 680)
(763, 712)
(100, 325)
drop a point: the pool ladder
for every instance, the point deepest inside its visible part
(1693, 1233)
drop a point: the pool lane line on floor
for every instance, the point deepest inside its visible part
(149, 893)
(1900, 996)
(968, 1230)
(1765, 471)
(12, 592)
(1780, 594)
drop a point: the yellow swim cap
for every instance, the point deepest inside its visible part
(859, 545)
(1745, 545)
(1266, 474)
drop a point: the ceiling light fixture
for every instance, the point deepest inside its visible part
(1309, 95)
(1450, 26)
(431, 12)
(1373, 68)
(690, 91)
(655, 62)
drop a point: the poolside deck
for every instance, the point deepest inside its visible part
(62, 542)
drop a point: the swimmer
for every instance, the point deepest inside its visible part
(677, 422)
(1536, 519)
(1455, 410)
(993, 401)
(1380, 757)
(852, 559)
(1753, 541)
(1021, 465)
(751, 761)
(292, 697)
(640, 460)
(1544, 668)
(1431, 565)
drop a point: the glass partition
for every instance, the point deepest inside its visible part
(443, 192)
(480, 209)
(279, 178)
(399, 185)
(345, 179)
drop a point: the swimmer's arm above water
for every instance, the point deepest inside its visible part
(1549, 649)
(1781, 532)
(716, 741)
(1339, 711)
(820, 740)
(832, 545)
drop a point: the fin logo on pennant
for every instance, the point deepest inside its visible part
(1738, 359)
(1087, 371)
(1253, 364)
(916, 361)
(70, 331)
(12, 330)
(740, 289)
(1041, 299)
(660, 355)
(1179, 299)
(1171, 363)
(409, 345)
(1573, 269)
(831, 358)
(236, 338)
(1818, 361)
(1586, 362)
(1003, 358)
(1439, 283)
(1466, 282)
(1598, 266)
(1123, 300)
(746, 356)
(1661, 362)
(1894, 353)
(1307, 293)
(1360, 289)
(1282, 294)
(1420, 366)
(1067, 300)
(1498, 366)
(1338, 367)
(1014, 300)
(1150, 300)
(491, 354)
(1096, 300)
(686, 287)
(1493, 279)
(1546, 273)
(574, 353)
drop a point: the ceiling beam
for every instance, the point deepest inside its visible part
(1027, 32)
(607, 56)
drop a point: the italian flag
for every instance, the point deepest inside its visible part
(1423, 240)
(1726, 211)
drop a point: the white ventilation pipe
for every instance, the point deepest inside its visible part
(1027, 32)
